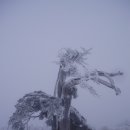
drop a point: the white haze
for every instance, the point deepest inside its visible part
(32, 33)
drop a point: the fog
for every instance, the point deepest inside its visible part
(32, 33)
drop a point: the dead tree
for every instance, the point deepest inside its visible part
(57, 108)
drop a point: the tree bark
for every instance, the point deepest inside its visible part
(58, 93)
(64, 124)
(54, 123)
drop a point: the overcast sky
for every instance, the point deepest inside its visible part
(32, 33)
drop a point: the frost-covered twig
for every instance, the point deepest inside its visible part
(69, 56)
(119, 73)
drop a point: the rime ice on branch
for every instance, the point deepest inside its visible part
(57, 109)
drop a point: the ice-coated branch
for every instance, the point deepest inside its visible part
(96, 77)
(109, 76)
(109, 85)
(101, 73)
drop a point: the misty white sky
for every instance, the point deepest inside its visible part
(32, 33)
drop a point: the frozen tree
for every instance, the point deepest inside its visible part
(57, 109)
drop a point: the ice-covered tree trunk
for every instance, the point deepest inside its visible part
(62, 90)
(64, 124)
(58, 92)
(65, 91)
